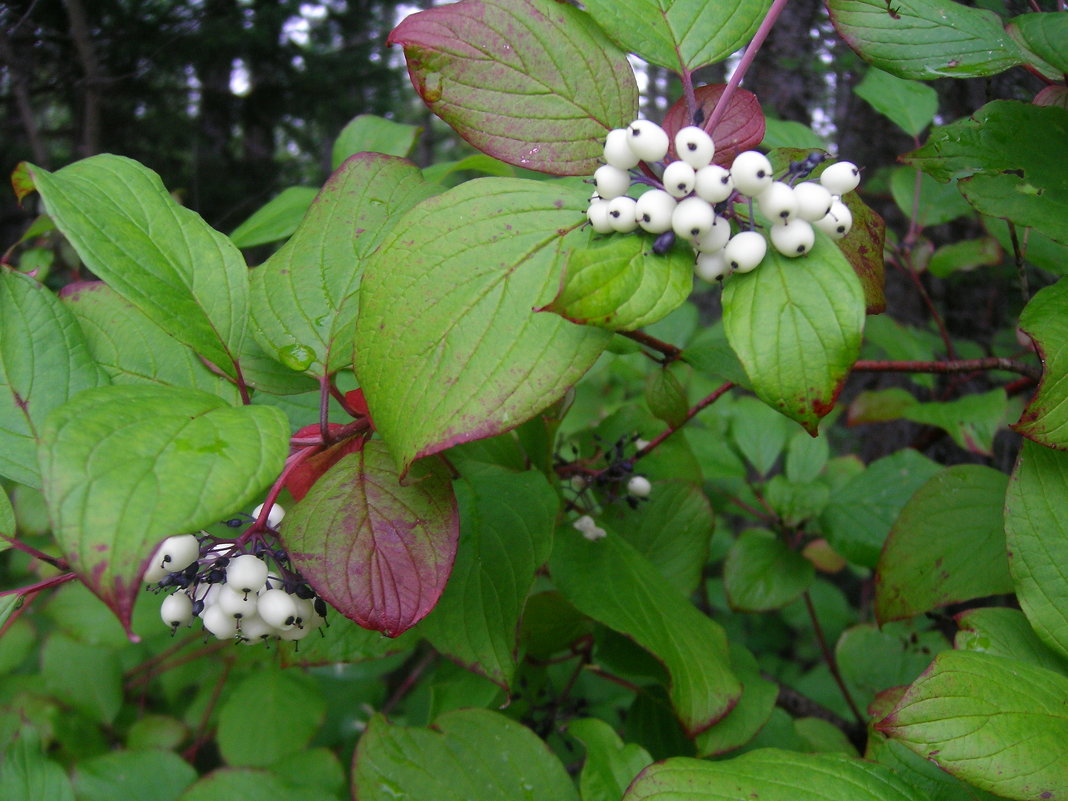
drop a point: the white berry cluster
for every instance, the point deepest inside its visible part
(694, 200)
(235, 593)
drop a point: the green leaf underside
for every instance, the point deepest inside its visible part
(501, 760)
(762, 573)
(277, 219)
(796, 326)
(163, 258)
(533, 83)
(299, 294)
(1043, 38)
(621, 285)
(770, 775)
(368, 133)
(947, 546)
(134, 350)
(997, 723)
(749, 715)
(680, 35)
(505, 535)
(925, 39)
(450, 349)
(610, 763)
(378, 551)
(860, 513)
(908, 104)
(1005, 632)
(125, 466)
(1023, 179)
(1045, 420)
(38, 337)
(1037, 536)
(614, 584)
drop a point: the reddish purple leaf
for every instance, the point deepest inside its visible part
(377, 550)
(740, 128)
(531, 82)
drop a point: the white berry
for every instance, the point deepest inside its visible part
(278, 609)
(622, 214)
(713, 183)
(617, 150)
(840, 177)
(246, 573)
(692, 218)
(777, 202)
(219, 623)
(639, 487)
(597, 214)
(647, 140)
(255, 630)
(838, 222)
(678, 178)
(751, 172)
(176, 610)
(813, 200)
(694, 146)
(611, 181)
(236, 603)
(653, 211)
(745, 251)
(711, 267)
(794, 238)
(274, 517)
(715, 238)
(173, 555)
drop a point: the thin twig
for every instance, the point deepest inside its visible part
(828, 657)
(671, 352)
(952, 366)
(690, 414)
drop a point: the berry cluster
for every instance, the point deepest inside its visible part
(230, 586)
(694, 199)
(615, 481)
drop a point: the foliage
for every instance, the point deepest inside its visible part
(462, 396)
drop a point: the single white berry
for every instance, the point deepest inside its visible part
(777, 202)
(692, 218)
(173, 555)
(694, 146)
(711, 267)
(745, 251)
(235, 603)
(678, 178)
(715, 238)
(647, 140)
(274, 517)
(294, 634)
(840, 177)
(219, 623)
(254, 630)
(611, 181)
(176, 610)
(653, 211)
(813, 200)
(639, 486)
(278, 608)
(597, 214)
(751, 172)
(713, 183)
(838, 222)
(617, 150)
(246, 574)
(622, 214)
(794, 238)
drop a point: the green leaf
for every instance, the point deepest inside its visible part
(249, 784)
(317, 768)
(872, 659)
(506, 525)
(710, 353)
(787, 133)
(449, 347)
(666, 398)
(144, 775)
(1001, 173)
(614, 584)
(303, 295)
(368, 133)
(44, 361)
(938, 203)
(1037, 536)
(759, 432)
(964, 256)
(860, 514)
(806, 457)
(910, 105)
(125, 466)
(7, 521)
(947, 546)
(134, 350)
(1045, 420)
(344, 641)
(925, 39)
(277, 219)
(749, 715)
(1043, 38)
(85, 677)
(997, 723)
(680, 35)
(27, 774)
(164, 259)
(762, 573)
(377, 550)
(502, 761)
(479, 162)
(610, 763)
(291, 701)
(822, 736)
(621, 285)
(771, 775)
(1005, 632)
(972, 420)
(796, 327)
(880, 405)
(531, 82)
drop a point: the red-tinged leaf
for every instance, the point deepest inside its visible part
(1045, 420)
(304, 475)
(22, 181)
(357, 403)
(740, 128)
(533, 83)
(378, 551)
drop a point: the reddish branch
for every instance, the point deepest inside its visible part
(671, 353)
(952, 366)
(690, 414)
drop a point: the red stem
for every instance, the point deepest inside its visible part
(671, 353)
(828, 657)
(56, 562)
(951, 366)
(690, 414)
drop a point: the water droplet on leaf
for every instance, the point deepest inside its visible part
(296, 357)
